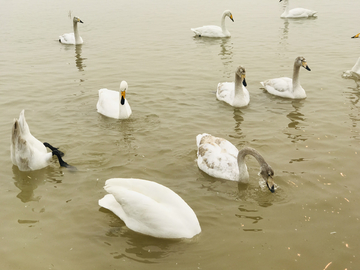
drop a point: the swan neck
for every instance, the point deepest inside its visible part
(238, 84)
(250, 151)
(76, 33)
(287, 7)
(223, 28)
(295, 79)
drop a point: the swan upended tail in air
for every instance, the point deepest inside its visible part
(27, 152)
(221, 159)
(297, 12)
(214, 30)
(72, 38)
(150, 208)
(113, 103)
(234, 93)
(286, 87)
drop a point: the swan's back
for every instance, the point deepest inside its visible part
(217, 157)
(299, 13)
(150, 208)
(69, 38)
(210, 31)
(27, 152)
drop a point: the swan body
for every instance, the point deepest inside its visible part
(72, 38)
(219, 158)
(150, 208)
(354, 73)
(27, 152)
(214, 30)
(234, 93)
(297, 12)
(113, 103)
(286, 87)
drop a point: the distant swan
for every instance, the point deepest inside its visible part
(150, 208)
(72, 38)
(297, 12)
(213, 30)
(286, 87)
(234, 93)
(354, 73)
(221, 159)
(27, 152)
(112, 105)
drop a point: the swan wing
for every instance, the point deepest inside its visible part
(150, 208)
(301, 13)
(279, 86)
(209, 31)
(226, 92)
(108, 103)
(217, 157)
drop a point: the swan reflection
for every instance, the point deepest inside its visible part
(78, 59)
(294, 131)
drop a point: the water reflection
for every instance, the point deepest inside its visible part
(27, 182)
(353, 95)
(238, 117)
(294, 131)
(78, 59)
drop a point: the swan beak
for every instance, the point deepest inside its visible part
(304, 64)
(231, 17)
(123, 97)
(270, 184)
(81, 21)
(356, 36)
(244, 81)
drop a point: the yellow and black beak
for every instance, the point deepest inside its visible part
(231, 17)
(244, 81)
(270, 184)
(123, 93)
(304, 64)
(356, 36)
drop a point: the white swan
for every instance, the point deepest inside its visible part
(354, 73)
(221, 159)
(297, 12)
(234, 93)
(72, 38)
(286, 87)
(214, 30)
(27, 152)
(112, 105)
(150, 208)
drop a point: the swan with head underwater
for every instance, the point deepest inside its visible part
(150, 208)
(72, 38)
(297, 12)
(214, 30)
(113, 103)
(234, 93)
(221, 159)
(354, 73)
(27, 152)
(286, 87)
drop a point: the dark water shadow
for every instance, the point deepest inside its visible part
(79, 60)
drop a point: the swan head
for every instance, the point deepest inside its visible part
(123, 87)
(267, 174)
(241, 73)
(228, 13)
(77, 20)
(300, 61)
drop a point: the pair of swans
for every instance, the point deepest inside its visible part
(297, 12)
(236, 94)
(27, 152)
(72, 38)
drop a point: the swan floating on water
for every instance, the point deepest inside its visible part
(286, 87)
(234, 93)
(112, 105)
(354, 73)
(297, 12)
(214, 30)
(27, 152)
(72, 38)
(221, 159)
(150, 208)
